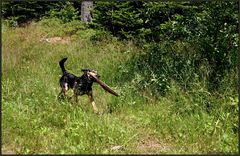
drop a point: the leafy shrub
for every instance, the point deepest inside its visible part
(160, 64)
(209, 27)
(66, 14)
(141, 20)
(60, 28)
(19, 12)
(12, 21)
(121, 18)
(100, 36)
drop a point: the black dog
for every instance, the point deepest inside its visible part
(80, 85)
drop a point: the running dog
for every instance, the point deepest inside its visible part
(81, 85)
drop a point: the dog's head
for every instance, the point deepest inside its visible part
(90, 73)
(94, 77)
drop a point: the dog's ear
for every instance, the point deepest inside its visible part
(85, 70)
(88, 73)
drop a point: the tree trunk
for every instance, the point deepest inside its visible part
(86, 7)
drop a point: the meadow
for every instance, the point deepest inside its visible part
(34, 121)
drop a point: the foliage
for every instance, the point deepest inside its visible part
(121, 18)
(213, 31)
(218, 42)
(67, 13)
(209, 28)
(19, 12)
(162, 63)
(137, 19)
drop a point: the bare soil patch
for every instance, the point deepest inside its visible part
(151, 145)
(7, 151)
(56, 40)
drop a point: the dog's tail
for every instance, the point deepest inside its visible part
(61, 64)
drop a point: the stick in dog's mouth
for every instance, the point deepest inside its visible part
(103, 85)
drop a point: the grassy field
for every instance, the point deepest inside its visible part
(34, 121)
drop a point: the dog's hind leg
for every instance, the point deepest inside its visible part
(65, 89)
(90, 95)
(75, 92)
(63, 92)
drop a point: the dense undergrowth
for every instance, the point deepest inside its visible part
(166, 105)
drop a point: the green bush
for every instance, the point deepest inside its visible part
(67, 14)
(210, 29)
(19, 12)
(162, 63)
(100, 36)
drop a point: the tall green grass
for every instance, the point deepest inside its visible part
(34, 121)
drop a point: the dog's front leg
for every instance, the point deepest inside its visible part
(90, 95)
(75, 92)
(60, 95)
